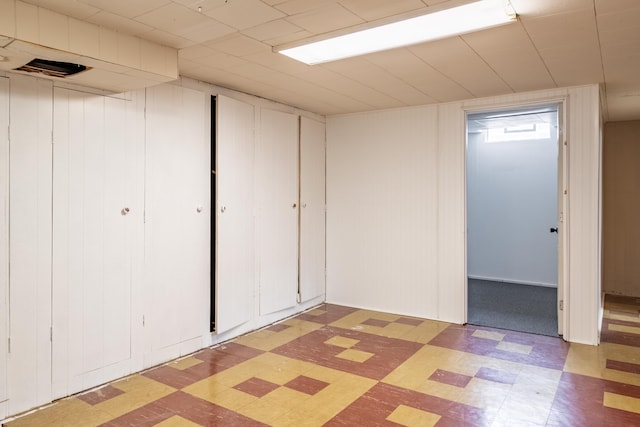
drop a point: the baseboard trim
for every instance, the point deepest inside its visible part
(517, 282)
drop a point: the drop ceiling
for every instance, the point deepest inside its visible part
(229, 43)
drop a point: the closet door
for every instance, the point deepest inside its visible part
(29, 359)
(97, 212)
(4, 241)
(235, 261)
(312, 209)
(177, 222)
(278, 199)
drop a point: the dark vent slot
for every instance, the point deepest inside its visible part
(52, 68)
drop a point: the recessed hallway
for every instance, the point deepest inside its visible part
(336, 366)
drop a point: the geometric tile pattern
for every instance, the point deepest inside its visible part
(341, 366)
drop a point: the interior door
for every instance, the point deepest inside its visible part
(312, 209)
(235, 261)
(278, 199)
(177, 222)
(4, 240)
(562, 206)
(30, 163)
(96, 215)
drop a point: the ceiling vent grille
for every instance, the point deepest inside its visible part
(52, 68)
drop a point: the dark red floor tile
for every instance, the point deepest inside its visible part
(278, 327)
(306, 385)
(409, 321)
(173, 377)
(451, 378)
(632, 368)
(256, 387)
(375, 322)
(381, 400)
(617, 337)
(331, 314)
(388, 353)
(546, 352)
(102, 394)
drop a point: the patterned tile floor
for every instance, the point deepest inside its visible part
(339, 366)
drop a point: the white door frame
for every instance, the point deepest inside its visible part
(563, 217)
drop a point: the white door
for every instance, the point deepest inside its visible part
(29, 359)
(278, 199)
(312, 209)
(235, 261)
(4, 240)
(562, 209)
(96, 215)
(177, 223)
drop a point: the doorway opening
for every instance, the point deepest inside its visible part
(513, 171)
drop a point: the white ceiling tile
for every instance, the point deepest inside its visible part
(74, 8)
(371, 10)
(244, 14)
(411, 69)
(325, 19)
(196, 51)
(569, 66)
(272, 30)
(166, 39)
(289, 38)
(609, 6)
(118, 23)
(127, 8)
(508, 51)
(455, 59)
(221, 61)
(238, 45)
(173, 18)
(529, 8)
(575, 29)
(293, 7)
(278, 62)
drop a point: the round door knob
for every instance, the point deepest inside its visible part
(199, 209)
(294, 206)
(222, 209)
(124, 211)
(304, 205)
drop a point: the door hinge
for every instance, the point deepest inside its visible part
(51, 333)
(143, 320)
(561, 305)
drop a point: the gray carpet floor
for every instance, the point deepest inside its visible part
(522, 308)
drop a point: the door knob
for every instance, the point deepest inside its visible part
(124, 211)
(553, 230)
(294, 205)
(222, 209)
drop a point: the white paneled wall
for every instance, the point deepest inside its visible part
(235, 230)
(451, 283)
(29, 359)
(382, 211)
(312, 208)
(277, 201)
(177, 222)
(4, 239)
(97, 216)
(396, 209)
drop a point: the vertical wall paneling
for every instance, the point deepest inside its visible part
(382, 210)
(277, 181)
(4, 239)
(235, 275)
(584, 290)
(312, 208)
(96, 214)
(177, 222)
(451, 235)
(29, 361)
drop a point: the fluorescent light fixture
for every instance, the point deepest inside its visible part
(437, 25)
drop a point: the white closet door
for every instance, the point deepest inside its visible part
(312, 212)
(277, 180)
(95, 217)
(4, 240)
(235, 261)
(29, 360)
(177, 222)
